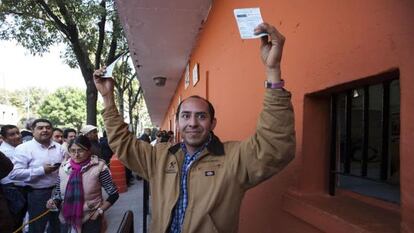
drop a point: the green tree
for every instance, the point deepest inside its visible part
(90, 29)
(65, 108)
(142, 118)
(124, 79)
(26, 100)
(133, 101)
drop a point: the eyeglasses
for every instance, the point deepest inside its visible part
(77, 151)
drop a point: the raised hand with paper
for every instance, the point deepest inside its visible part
(271, 51)
(105, 86)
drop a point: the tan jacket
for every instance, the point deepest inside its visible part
(220, 176)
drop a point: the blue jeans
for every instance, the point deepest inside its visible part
(36, 199)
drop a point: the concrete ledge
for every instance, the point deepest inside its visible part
(341, 213)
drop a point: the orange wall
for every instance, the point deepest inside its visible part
(328, 43)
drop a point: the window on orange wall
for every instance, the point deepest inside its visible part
(365, 138)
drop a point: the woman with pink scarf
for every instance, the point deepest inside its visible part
(78, 191)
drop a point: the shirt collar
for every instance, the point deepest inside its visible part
(6, 145)
(51, 145)
(214, 145)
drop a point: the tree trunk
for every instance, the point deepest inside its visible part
(87, 69)
(132, 119)
(91, 94)
(91, 99)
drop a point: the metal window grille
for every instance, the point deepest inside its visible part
(364, 155)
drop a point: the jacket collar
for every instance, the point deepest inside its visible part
(215, 146)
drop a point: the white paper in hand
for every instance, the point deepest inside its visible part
(109, 69)
(247, 19)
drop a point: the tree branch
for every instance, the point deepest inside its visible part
(101, 37)
(114, 42)
(61, 26)
(65, 13)
(131, 79)
(137, 94)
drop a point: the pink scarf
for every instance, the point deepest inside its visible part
(73, 203)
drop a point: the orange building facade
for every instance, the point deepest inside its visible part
(334, 52)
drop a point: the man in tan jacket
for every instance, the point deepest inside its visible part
(198, 185)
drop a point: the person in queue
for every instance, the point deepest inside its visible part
(6, 218)
(57, 135)
(14, 191)
(78, 191)
(36, 163)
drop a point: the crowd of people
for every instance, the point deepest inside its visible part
(49, 171)
(160, 136)
(43, 168)
(199, 182)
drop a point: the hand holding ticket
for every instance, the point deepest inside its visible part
(247, 19)
(109, 69)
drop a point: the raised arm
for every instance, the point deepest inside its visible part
(272, 146)
(271, 51)
(133, 153)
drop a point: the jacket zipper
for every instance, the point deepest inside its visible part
(176, 198)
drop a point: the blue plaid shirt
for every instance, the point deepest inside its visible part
(181, 205)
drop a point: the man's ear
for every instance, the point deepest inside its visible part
(213, 124)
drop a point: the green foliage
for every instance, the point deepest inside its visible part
(27, 100)
(38, 24)
(66, 107)
(25, 22)
(89, 28)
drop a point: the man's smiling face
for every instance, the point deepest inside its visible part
(194, 122)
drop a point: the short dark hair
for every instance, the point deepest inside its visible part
(82, 141)
(67, 131)
(5, 128)
(57, 129)
(211, 110)
(163, 136)
(41, 120)
(26, 133)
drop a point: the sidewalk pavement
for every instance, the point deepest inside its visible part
(129, 200)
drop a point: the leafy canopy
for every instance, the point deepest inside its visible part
(39, 24)
(66, 107)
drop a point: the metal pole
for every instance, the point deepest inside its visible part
(145, 206)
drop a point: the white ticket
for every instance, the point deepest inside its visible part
(109, 69)
(247, 19)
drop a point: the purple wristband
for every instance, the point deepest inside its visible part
(271, 85)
